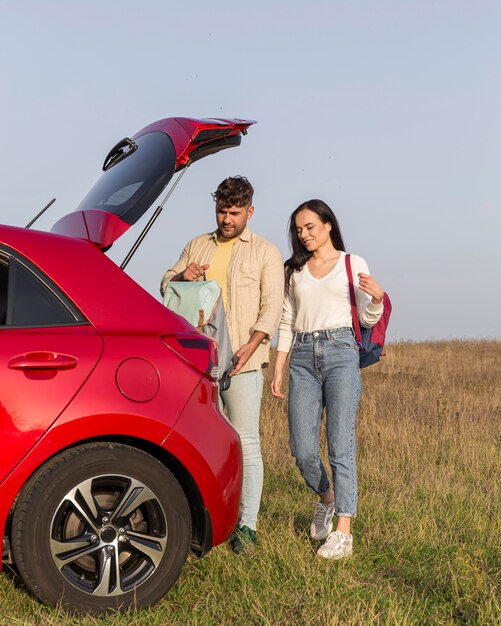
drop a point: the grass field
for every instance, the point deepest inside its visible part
(427, 538)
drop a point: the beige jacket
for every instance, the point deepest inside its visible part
(255, 288)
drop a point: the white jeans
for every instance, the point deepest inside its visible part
(243, 405)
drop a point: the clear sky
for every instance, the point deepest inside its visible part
(389, 111)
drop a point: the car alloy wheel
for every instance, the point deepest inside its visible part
(108, 535)
(94, 537)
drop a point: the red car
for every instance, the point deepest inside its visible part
(115, 457)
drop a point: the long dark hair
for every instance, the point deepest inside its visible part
(300, 254)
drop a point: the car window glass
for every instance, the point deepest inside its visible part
(128, 188)
(122, 195)
(26, 301)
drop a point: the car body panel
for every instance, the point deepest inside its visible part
(32, 399)
(210, 452)
(100, 227)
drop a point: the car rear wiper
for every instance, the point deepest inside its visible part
(118, 153)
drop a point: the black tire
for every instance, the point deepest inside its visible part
(100, 527)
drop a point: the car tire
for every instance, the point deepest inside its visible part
(101, 527)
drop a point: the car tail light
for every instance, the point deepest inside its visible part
(200, 351)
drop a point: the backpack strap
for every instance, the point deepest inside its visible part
(354, 311)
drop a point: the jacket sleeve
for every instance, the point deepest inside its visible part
(272, 292)
(287, 323)
(181, 264)
(368, 313)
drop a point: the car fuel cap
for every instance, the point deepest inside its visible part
(138, 379)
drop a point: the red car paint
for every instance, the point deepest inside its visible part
(110, 375)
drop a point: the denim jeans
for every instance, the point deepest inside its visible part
(324, 372)
(243, 405)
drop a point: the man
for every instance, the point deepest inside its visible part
(249, 270)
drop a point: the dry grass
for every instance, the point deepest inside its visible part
(427, 535)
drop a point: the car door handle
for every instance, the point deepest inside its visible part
(43, 361)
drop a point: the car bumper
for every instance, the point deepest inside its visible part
(209, 448)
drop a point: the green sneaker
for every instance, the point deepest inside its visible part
(242, 538)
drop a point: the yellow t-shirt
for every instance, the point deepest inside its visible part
(218, 268)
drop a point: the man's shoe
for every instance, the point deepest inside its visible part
(337, 546)
(242, 538)
(321, 524)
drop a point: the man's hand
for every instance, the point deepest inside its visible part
(241, 356)
(192, 272)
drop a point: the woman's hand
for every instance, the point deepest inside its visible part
(278, 376)
(370, 286)
(276, 385)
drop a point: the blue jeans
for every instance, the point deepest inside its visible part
(324, 372)
(243, 405)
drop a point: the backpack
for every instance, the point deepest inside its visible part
(370, 340)
(201, 304)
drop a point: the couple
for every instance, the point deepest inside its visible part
(315, 325)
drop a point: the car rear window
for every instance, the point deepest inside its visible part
(130, 187)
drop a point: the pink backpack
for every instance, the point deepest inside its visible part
(370, 340)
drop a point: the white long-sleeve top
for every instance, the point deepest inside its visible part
(322, 303)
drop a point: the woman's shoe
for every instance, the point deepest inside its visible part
(337, 546)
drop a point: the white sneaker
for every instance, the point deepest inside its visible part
(337, 546)
(321, 524)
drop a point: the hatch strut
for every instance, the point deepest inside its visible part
(152, 220)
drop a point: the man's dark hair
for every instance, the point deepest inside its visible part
(233, 191)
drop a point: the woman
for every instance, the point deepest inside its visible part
(316, 326)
